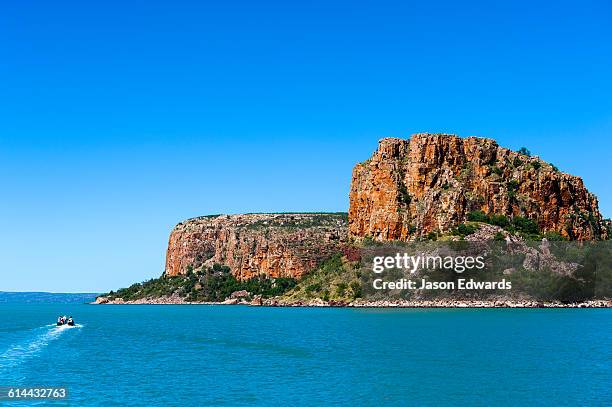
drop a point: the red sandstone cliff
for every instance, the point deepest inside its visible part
(277, 245)
(430, 182)
(407, 189)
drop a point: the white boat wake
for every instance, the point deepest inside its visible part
(18, 353)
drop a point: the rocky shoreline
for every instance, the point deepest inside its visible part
(445, 303)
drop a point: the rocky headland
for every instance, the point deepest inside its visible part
(428, 187)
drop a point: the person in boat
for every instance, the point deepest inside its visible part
(70, 321)
(60, 320)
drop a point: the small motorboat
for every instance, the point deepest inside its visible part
(65, 321)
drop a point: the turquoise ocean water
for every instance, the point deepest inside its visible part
(234, 355)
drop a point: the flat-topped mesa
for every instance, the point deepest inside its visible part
(276, 245)
(430, 182)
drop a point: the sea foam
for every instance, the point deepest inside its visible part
(28, 348)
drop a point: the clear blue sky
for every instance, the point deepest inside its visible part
(119, 120)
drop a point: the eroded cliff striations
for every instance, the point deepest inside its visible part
(429, 183)
(276, 245)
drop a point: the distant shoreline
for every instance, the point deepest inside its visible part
(44, 297)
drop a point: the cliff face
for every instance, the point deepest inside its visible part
(430, 182)
(408, 188)
(277, 245)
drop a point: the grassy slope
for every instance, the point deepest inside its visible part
(336, 279)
